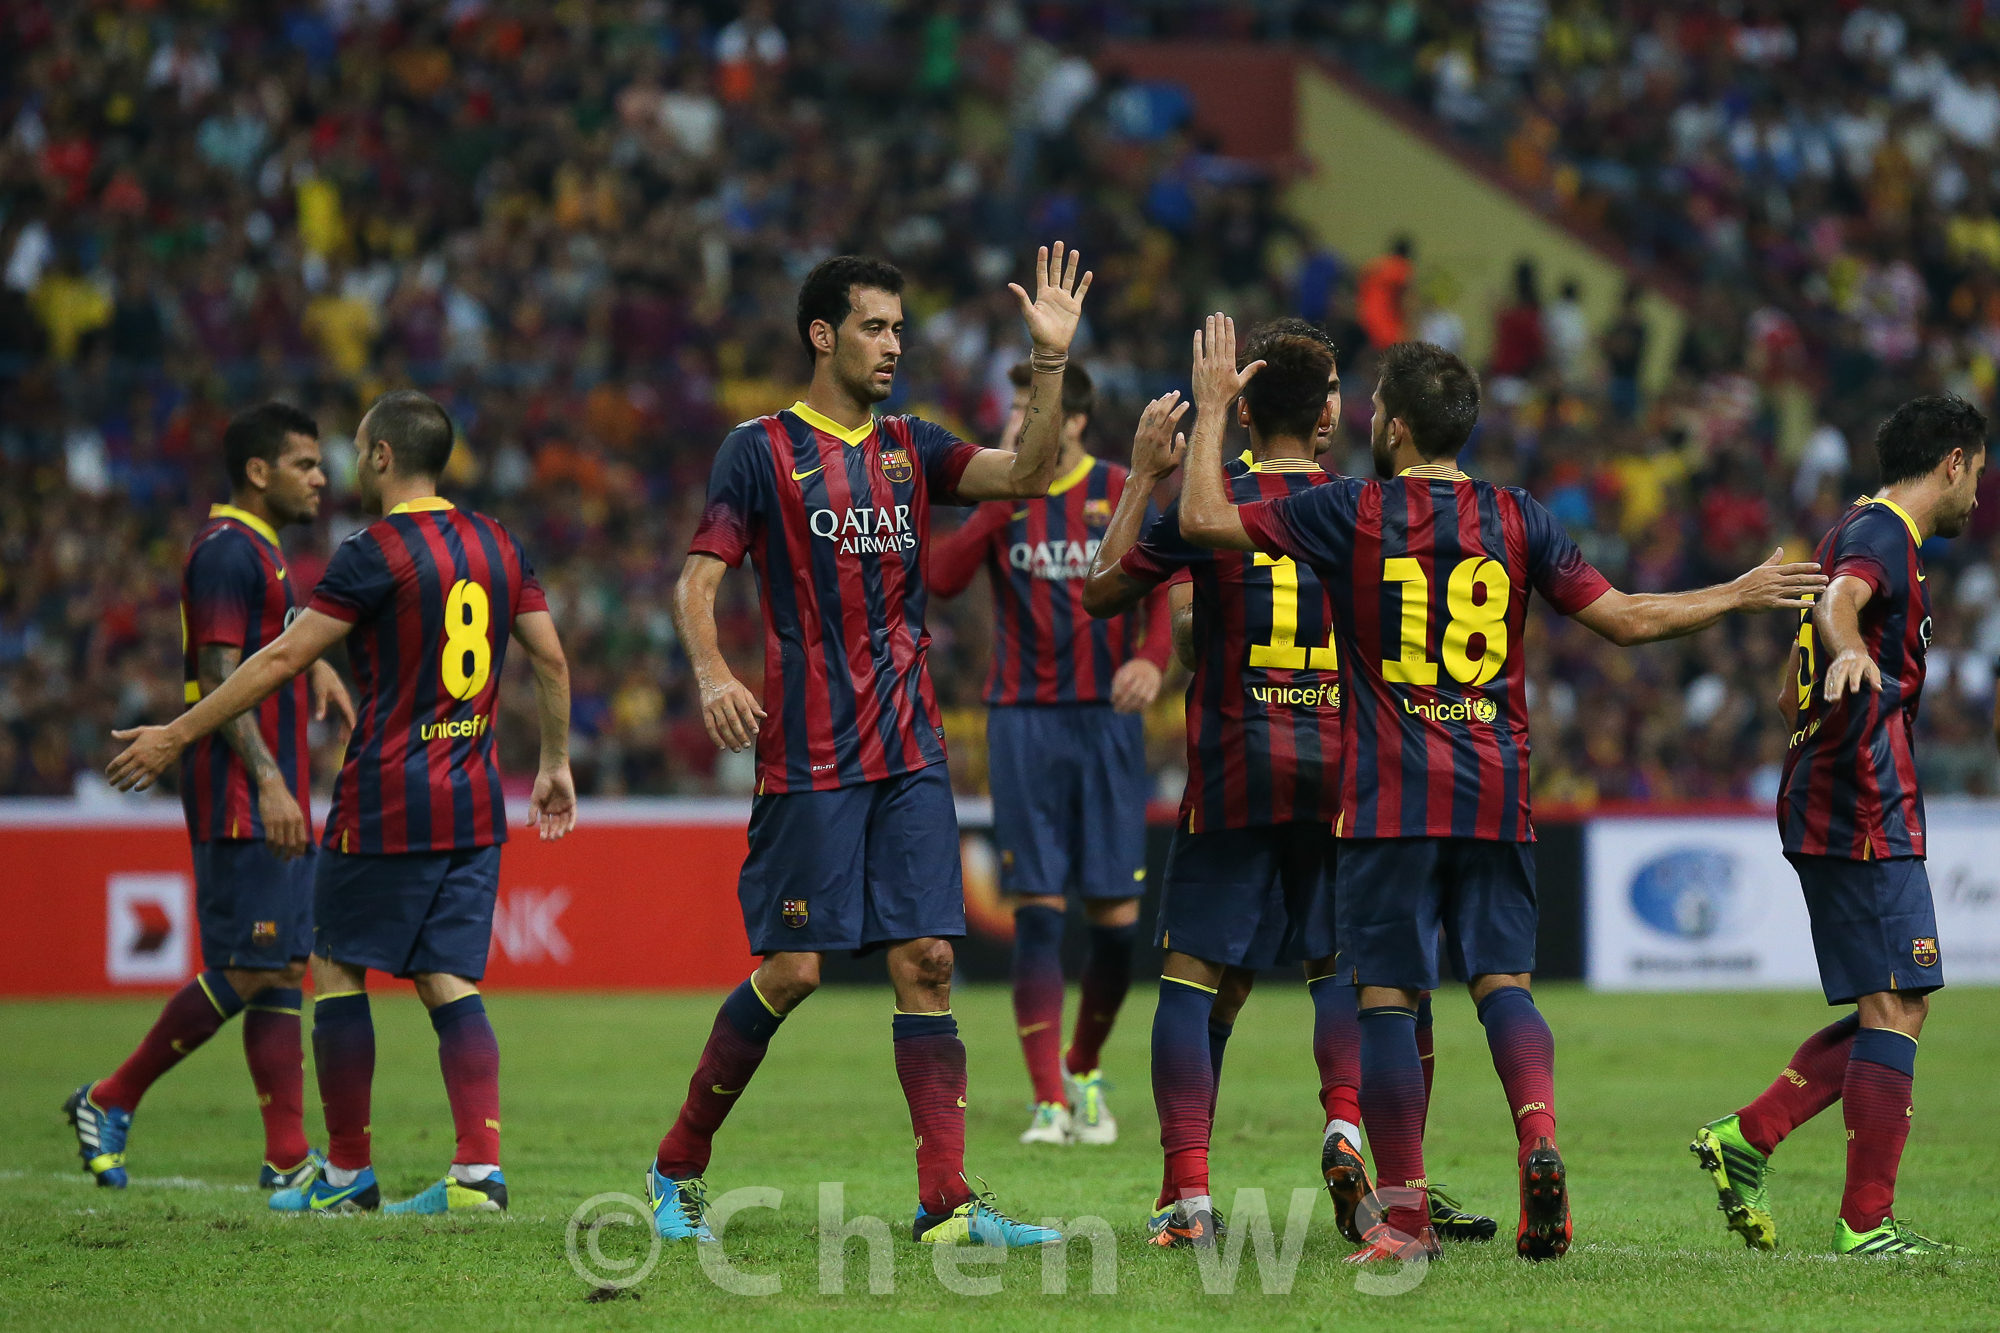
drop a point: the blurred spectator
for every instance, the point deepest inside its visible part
(1383, 290)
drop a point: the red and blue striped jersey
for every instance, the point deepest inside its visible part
(234, 591)
(1263, 709)
(1046, 648)
(1429, 574)
(835, 522)
(1850, 781)
(432, 592)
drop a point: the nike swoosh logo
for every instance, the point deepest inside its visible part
(1020, 513)
(801, 476)
(1033, 1028)
(281, 573)
(721, 1091)
(1921, 577)
(961, 1103)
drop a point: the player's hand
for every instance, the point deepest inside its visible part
(1156, 448)
(328, 688)
(151, 753)
(731, 714)
(552, 808)
(1772, 586)
(1847, 673)
(1134, 686)
(1217, 381)
(286, 829)
(1058, 305)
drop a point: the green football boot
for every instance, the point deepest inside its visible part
(1739, 1172)
(1892, 1239)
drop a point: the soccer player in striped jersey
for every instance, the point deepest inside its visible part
(1429, 572)
(1066, 752)
(426, 599)
(853, 835)
(245, 793)
(1852, 819)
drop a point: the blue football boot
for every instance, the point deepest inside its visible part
(100, 1136)
(979, 1221)
(291, 1177)
(319, 1195)
(451, 1195)
(680, 1207)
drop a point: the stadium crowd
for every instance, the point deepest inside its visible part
(581, 226)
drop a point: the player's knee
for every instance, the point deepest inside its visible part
(292, 974)
(931, 963)
(785, 980)
(1112, 911)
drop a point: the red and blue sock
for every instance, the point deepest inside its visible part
(1186, 1057)
(1038, 997)
(1392, 1105)
(1107, 976)
(930, 1062)
(1426, 1052)
(1524, 1055)
(195, 1013)
(1337, 1048)
(736, 1046)
(1810, 1084)
(469, 1054)
(1876, 1105)
(274, 1048)
(344, 1058)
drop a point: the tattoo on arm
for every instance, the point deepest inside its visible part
(213, 665)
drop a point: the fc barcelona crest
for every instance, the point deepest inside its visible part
(264, 932)
(794, 912)
(1097, 513)
(1924, 950)
(896, 463)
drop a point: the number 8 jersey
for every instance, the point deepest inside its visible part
(1263, 710)
(432, 593)
(1429, 575)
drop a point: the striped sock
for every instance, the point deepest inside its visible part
(1038, 997)
(274, 1048)
(1392, 1089)
(1107, 975)
(344, 1058)
(1426, 1052)
(1809, 1084)
(469, 1055)
(930, 1062)
(1875, 1098)
(1337, 1048)
(195, 1013)
(1184, 1063)
(1524, 1055)
(736, 1046)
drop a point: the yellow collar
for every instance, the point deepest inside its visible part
(826, 425)
(1899, 512)
(1434, 472)
(247, 519)
(1278, 464)
(1073, 476)
(423, 504)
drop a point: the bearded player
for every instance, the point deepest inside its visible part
(853, 834)
(1852, 819)
(1429, 572)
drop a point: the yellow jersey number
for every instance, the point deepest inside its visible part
(1283, 651)
(1808, 657)
(468, 652)
(1469, 617)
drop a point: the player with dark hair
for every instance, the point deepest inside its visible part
(426, 599)
(1852, 819)
(1429, 572)
(853, 834)
(1066, 754)
(245, 792)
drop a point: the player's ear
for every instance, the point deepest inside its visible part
(257, 471)
(1243, 413)
(822, 335)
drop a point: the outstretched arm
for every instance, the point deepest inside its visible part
(1156, 451)
(154, 749)
(1208, 515)
(1629, 618)
(1837, 620)
(729, 711)
(956, 560)
(552, 807)
(1052, 317)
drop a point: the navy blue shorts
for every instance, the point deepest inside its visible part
(855, 868)
(1873, 925)
(1394, 893)
(1250, 897)
(408, 913)
(254, 910)
(1069, 799)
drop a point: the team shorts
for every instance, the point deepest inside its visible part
(1873, 925)
(1069, 799)
(1395, 893)
(854, 868)
(1250, 897)
(254, 911)
(408, 912)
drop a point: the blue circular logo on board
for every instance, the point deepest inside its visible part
(1689, 893)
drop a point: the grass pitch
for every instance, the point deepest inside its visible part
(590, 1083)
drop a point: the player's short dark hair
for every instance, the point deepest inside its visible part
(261, 432)
(826, 293)
(416, 427)
(1919, 434)
(1079, 394)
(1433, 393)
(1288, 394)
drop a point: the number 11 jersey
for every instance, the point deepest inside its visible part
(432, 592)
(1429, 575)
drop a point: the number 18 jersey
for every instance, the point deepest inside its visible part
(1429, 575)
(432, 593)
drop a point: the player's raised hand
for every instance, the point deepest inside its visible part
(1156, 447)
(1848, 672)
(1773, 586)
(552, 807)
(1053, 314)
(1217, 381)
(151, 753)
(731, 714)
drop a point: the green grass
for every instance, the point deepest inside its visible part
(590, 1083)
